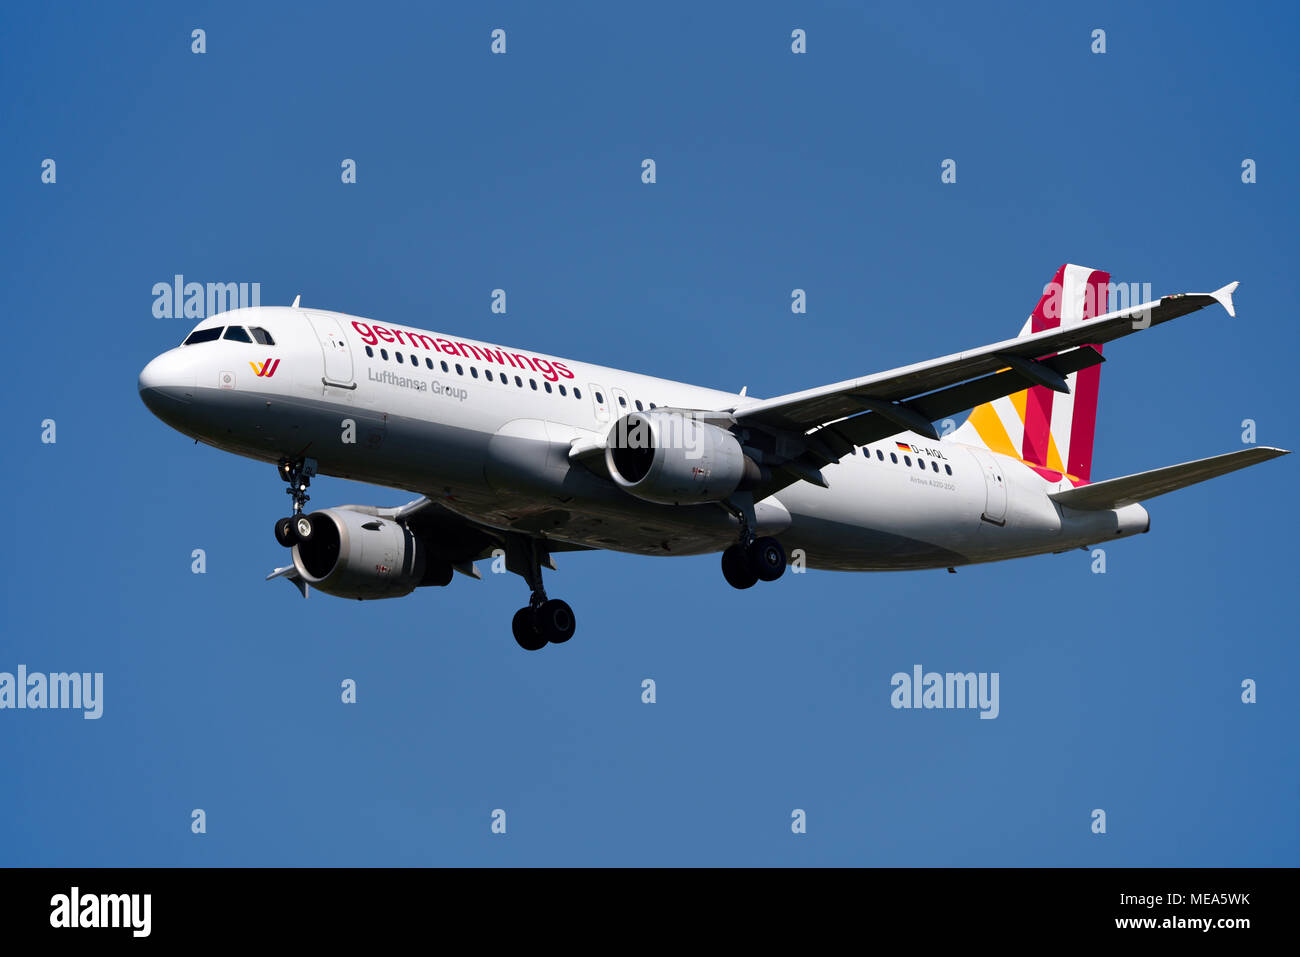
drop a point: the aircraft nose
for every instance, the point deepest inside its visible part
(166, 384)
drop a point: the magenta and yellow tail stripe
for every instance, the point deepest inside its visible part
(1049, 431)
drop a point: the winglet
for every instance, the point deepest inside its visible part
(296, 299)
(1224, 297)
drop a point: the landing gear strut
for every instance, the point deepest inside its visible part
(295, 528)
(543, 620)
(752, 559)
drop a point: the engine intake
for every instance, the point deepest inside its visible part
(354, 555)
(674, 459)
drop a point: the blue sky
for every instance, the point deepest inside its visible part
(775, 171)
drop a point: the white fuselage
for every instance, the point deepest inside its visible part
(489, 437)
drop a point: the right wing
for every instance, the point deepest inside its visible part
(448, 536)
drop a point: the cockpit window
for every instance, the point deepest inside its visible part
(236, 334)
(262, 336)
(203, 335)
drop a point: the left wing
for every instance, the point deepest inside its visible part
(818, 426)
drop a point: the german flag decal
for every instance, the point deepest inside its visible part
(903, 447)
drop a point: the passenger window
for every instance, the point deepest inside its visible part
(236, 334)
(398, 357)
(893, 457)
(546, 386)
(459, 370)
(652, 405)
(261, 336)
(577, 393)
(202, 335)
(880, 455)
(487, 374)
(562, 392)
(935, 466)
(908, 460)
(370, 352)
(428, 362)
(600, 399)
(415, 360)
(383, 353)
(622, 401)
(444, 367)
(473, 371)
(639, 407)
(533, 383)
(948, 469)
(519, 382)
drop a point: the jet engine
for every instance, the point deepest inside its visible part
(354, 555)
(674, 459)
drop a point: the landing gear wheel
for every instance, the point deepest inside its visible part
(555, 621)
(766, 558)
(285, 533)
(302, 528)
(736, 569)
(524, 626)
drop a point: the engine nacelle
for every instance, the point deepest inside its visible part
(354, 555)
(674, 459)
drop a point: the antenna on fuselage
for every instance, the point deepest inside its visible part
(295, 301)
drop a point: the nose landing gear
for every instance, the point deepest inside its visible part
(295, 528)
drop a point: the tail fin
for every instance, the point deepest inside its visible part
(1050, 431)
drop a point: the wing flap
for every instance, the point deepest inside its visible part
(873, 426)
(1118, 492)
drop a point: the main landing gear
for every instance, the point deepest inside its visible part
(296, 527)
(543, 620)
(752, 559)
(763, 559)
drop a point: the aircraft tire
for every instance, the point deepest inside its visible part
(555, 621)
(285, 533)
(766, 558)
(736, 568)
(524, 625)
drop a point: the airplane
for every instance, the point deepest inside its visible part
(522, 455)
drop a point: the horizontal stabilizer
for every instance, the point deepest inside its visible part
(1118, 492)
